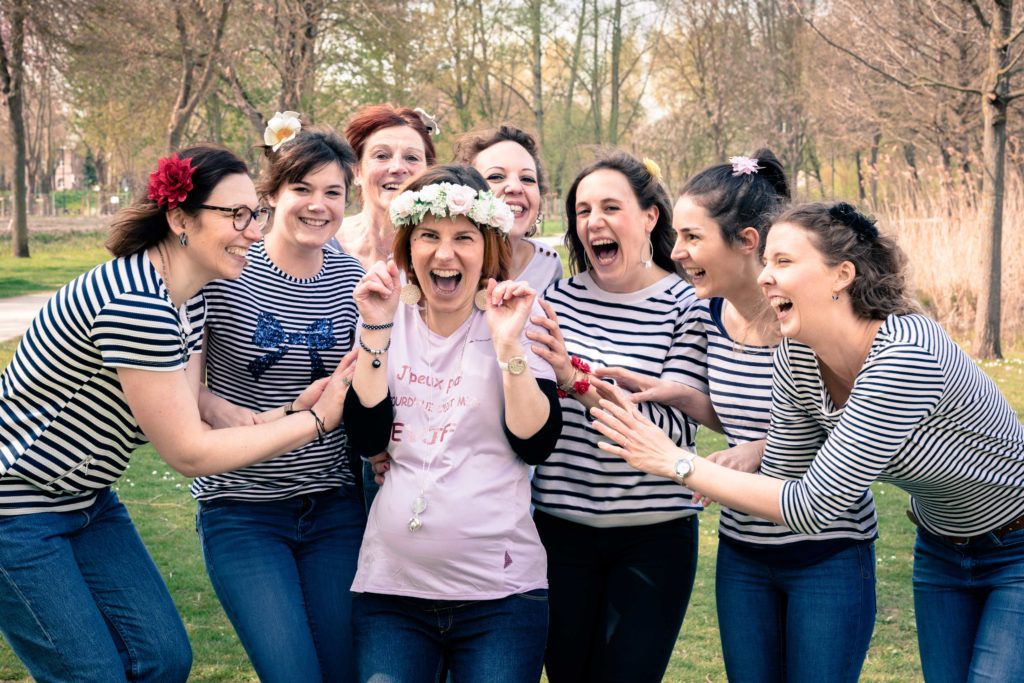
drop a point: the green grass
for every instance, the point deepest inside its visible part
(158, 501)
(56, 258)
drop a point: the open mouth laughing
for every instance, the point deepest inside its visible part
(605, 251)
(445, 281)
(781, 304)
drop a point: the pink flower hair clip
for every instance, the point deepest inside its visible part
(744, 166)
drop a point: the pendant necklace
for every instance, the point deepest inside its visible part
(419, 502)
(184, 325)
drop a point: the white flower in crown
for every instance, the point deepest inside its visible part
(489, 210)
(459, 199)
(744, 165)
(282, 127)
(401, 207)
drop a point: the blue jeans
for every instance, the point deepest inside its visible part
(405, 640)
(804, 624)
(969, 601)
(282, 569)
(81, 600)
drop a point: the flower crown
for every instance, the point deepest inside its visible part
(171, 182)
(744, 166)
(282, 127)
(448, 199)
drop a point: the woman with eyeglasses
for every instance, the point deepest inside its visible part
(280, 538)
(113, 360)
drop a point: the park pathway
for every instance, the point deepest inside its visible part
(16, 313)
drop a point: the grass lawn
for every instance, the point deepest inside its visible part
(158, 501)
(56, 259)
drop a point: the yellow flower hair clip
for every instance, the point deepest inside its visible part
(653, 168)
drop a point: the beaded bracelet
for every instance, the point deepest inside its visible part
(374, 352)
(382, 326)
(573, 385)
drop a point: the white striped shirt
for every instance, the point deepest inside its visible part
(740, 382)
(66, 430)
(268, 335)
(921, 416)
(654, 331)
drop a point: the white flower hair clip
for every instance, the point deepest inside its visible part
(282, 127)
(429, 122)
(448, 199)
(744, 166)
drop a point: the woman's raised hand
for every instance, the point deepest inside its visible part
(637, 440)
(376, 295)
(508, 307)
(550, 345)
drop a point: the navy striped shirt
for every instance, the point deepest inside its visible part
(268, 335)
(65, 427)
(656, 332)
(921, 416)
(740, 382)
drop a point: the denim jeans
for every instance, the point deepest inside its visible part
(407, 640)
(969, 602)
(81, 600)
(618, 597)
(801, 625)
(282, 569)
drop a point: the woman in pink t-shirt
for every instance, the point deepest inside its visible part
(451, 571)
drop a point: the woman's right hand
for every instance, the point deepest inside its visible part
(644, 388)
(376, 295)
(380, 464)
(550, 345)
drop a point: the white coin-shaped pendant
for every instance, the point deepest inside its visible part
(415, 524)
(419, 504)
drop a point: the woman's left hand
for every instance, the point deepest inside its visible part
(508, 307)
(636, 439)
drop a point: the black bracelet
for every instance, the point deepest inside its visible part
(382, 326)
(321, 428)
(290, 408)
(374, 352)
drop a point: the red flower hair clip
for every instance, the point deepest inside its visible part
(171, 182)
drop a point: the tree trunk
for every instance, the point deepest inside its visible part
(538, 83)
(613, 114)
(12, 73)
(861, 195)
(993, 107)
(873, 169)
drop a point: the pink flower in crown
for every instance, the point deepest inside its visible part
(744, 166)
(460, 199)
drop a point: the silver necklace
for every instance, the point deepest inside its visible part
(419, 502)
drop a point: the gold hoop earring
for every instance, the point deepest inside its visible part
(648, 260)
(537, 225)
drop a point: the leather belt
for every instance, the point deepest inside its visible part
(1013, 525)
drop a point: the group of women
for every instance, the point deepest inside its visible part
(531, 436)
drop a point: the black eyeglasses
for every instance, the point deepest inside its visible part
(241, 216)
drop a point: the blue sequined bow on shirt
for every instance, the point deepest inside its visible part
(269, 334)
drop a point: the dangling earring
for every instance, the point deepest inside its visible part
(481, 299)
(183, 239)
(410, 294)
(835, 296)
(648, 260)
(537, 225)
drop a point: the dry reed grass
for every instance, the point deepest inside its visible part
(938, 221)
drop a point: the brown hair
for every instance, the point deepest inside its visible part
(143, 223)
(469, 145)
(372, 118)
(841, 233)
(648, 191)
(497, 253)
(312, 148)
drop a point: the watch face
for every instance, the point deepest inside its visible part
(516, 365)
(683, 468)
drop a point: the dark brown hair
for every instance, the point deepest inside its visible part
(372, 118)
(736, 202)
(497, 253)
(469, 145)
(312, 148)
(648, 191)
(841, 233)
(143, 223)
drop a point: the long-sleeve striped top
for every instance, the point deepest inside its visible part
(66, 429)
(740, 383)
(653, 331)
(921, 415)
